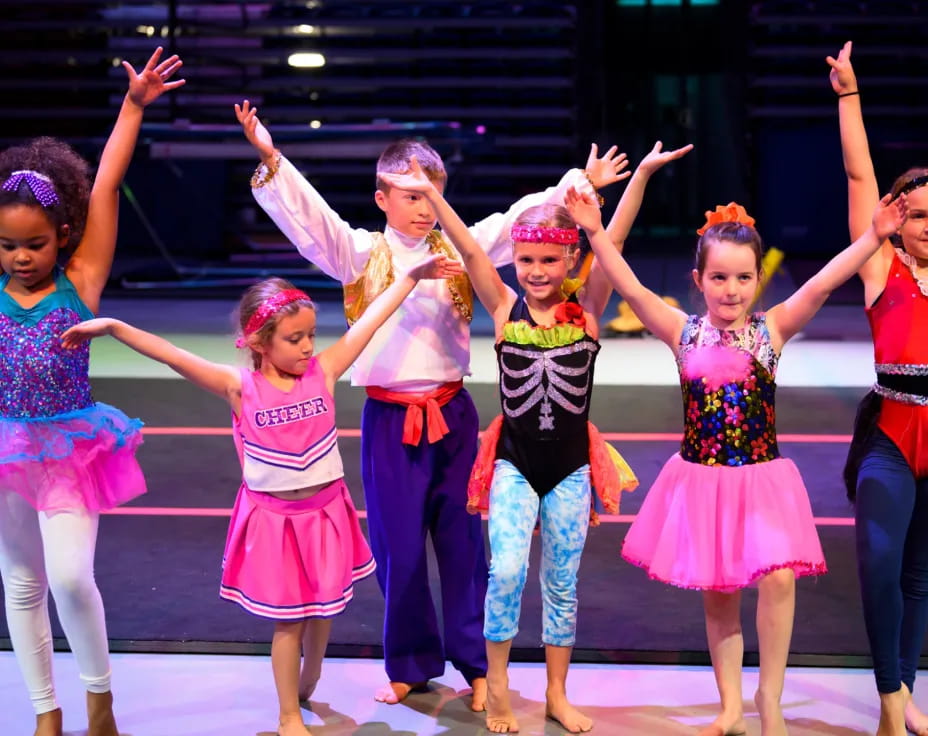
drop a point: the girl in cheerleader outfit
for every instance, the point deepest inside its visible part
(295, 547)
(728, 511)
(63, 457)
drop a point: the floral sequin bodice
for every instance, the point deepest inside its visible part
(39, 378)
(729, 387)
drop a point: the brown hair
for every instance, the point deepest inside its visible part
(898, 186)
(730, 232)
(253, 298)
(69, 175)
(395, 160)
(549, 215)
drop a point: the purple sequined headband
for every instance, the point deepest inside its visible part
(536, 234)
(39, 184)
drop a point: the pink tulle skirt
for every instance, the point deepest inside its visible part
(723, 528)
(84, 459)
(290, 560)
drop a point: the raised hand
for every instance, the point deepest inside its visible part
(437, 266)
(842, 77)
(606, 169)
(889, 215)
(414, 180)
(152, 82)
(656, 157)
(584, 210)
(254, 130)
(87, 330)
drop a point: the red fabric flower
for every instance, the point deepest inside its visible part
(570, 313)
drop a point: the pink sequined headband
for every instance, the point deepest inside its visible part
(535, 234)
(268, 308)
(40, 185)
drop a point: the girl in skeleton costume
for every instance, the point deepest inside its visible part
(541, 456)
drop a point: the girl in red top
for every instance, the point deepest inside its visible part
(888, 464)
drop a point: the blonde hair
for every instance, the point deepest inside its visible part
(395, 160)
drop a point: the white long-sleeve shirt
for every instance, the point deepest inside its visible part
(425, 343)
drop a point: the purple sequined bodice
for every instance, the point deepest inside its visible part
(38, 377)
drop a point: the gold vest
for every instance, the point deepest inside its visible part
(378, 274)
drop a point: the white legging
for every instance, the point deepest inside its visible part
(39, 551)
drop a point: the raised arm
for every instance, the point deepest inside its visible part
(664, 321)
(787, 318)
(89, 267)
(299, 211)
(336, 359)
(862, 190)
(597, 285)
(219, 379)
(492, 233)
(492, 292)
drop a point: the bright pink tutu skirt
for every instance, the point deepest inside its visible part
(721, 528)
(84, 459)
(290, 560)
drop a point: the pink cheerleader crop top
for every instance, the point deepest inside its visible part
(287, 440)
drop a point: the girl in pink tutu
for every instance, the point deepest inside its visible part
(295, 547)
(728, 511)
(63, 457)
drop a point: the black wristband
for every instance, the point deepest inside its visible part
(848, 94)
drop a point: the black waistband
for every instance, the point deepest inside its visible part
(916, 385)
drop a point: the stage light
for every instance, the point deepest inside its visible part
(306, 59)
(315, 123)
(303, 28)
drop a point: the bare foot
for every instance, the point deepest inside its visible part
(771, 715)
(396, 692)
(558, 708)
(915, 721)
(478, 697)
(500, 718)
(292, 725)
(100, 718)
(49, 723)
(727, 724)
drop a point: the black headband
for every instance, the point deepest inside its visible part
(918, 181)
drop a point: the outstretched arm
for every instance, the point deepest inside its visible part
(597, 286)
(89, 267)
(862, 190)
(335, 360)
(257, 135)
(788, 317)
(664, 321)
(490, 289)
(222, 380)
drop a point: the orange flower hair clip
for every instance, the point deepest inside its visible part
(731, 212)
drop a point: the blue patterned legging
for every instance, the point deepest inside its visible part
(565, 518)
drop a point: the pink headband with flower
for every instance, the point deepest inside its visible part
(536, 234)
(268, 308)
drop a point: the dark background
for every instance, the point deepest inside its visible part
(511, 94)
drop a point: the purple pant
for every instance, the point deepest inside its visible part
(411, 492)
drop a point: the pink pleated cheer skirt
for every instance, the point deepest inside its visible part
(289, 560)
(722, 528)
(84, 459)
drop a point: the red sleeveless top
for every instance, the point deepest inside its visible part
(899, 323)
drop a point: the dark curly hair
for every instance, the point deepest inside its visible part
(69, 174)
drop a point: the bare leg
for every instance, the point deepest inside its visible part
(285, 661)
(915, 720)
(49, 723)
(500, 718)
(776, 605)
(557, 660)
(100, 719)
(726, 648)
(315, 640)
